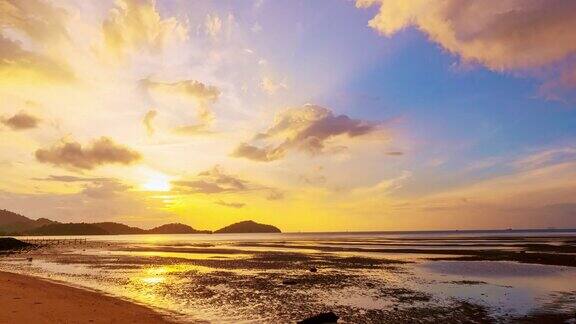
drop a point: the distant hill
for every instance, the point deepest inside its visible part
(11, 222)
(15, 224)
(7, 217)
(176, 228)
(118, 228)
(248, 227)
(68, 229)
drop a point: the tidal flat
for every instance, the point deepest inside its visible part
(451, 277)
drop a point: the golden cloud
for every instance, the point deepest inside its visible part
(202, 95)
(503, 35)
(100, 152)
(43, 26)
(230, 204)
(136, 25)
(305, 128)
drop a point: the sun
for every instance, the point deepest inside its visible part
(157, 182)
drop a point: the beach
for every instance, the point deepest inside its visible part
(27, 299)
(453, 277)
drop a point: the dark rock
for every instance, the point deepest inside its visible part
(313, 269)
(9, 243)
(322, 318)
(289, 282)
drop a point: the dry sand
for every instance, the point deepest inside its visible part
(26, 299)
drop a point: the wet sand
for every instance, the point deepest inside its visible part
(363, 278)
(27, 299)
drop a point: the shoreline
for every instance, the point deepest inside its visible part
(29, 299)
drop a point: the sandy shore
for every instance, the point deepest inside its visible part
(27, 299)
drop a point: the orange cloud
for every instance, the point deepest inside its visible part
(100, 152)
(502, 35)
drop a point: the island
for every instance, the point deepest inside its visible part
(248, 227)
(176, 228)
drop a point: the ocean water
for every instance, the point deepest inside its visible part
(362, 277)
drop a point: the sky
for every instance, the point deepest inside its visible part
(308, 115)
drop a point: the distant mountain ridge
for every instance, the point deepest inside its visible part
(15, 224)
(119, 228)
(68, 229)
(11, 222)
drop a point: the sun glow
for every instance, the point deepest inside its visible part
(157, 182)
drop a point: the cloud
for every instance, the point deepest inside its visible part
(230, 204)
(217, 27)
(64, 178)
(213, 25)
(196, 92)
(217, 181)
(507, 35)
(197, 129)
(271, 87)
(38, 20)
(546, 157)
(307, 128)
(21, 66)
(314, 176)
(313, 179)
(265, 154)
(40, 26)
(385, 186)
(213, 181)
(541, 196)
(94, 203)
(100, 152)
(135, 25)
(104, 189)
(148, 121)
(20, 121)
(275, 195)
(394, 153)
